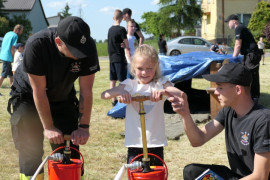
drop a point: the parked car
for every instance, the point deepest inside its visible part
(186, 44)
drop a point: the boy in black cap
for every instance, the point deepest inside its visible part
(43, 93)
(138, 34)
(246, 45)
(246, 124)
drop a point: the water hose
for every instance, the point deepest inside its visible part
(54, 157)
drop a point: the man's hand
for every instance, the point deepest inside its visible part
(179, 103)
(80, 136)
(54, 135)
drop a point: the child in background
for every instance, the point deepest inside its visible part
(131, 27)
(224, 48)
(147, 82)
(18, 56)
(261, 47)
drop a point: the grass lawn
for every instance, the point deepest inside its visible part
(105, 153)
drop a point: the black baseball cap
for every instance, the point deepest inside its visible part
(232, 17)
(75, 33)
(234, 73)
(127, 10)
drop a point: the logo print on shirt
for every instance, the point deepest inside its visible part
(83, 40)
(75, 67)
(244, 138)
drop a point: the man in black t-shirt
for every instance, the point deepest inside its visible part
(247, 46)
(43, 94)
(117, 35)
(138, 34)
(246, 124)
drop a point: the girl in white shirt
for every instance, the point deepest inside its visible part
(147, 82)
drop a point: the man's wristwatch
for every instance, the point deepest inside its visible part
(84, 125)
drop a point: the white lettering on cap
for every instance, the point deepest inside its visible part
(83, 40)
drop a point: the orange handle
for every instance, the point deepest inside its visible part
(67, 137)
(140, 98)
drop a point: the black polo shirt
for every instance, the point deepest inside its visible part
(42, 58)
(248, 42)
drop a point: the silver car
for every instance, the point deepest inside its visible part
(186, 44)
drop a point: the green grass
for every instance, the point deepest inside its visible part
(105, 153)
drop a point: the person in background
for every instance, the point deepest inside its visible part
(162, 45)
(261, 47)
(147, 82)
(8, 51)
(18, 57)
(215, 48)
(43, 95)
(117, 42)
(131, 27)
(246, 45)
(138, 34)
(246, 125)
(224, 48)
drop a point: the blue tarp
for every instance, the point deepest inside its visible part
(180, 68)
(191, 65)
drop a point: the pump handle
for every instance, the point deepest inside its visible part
(67, 137)
(140, 98)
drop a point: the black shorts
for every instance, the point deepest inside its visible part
(261, 51)
(118, 71)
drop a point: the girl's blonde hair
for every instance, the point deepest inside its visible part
(149, 52)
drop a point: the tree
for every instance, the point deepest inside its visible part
(173, 16)
(259, 18)
(65, 11)
(27, 26)
(4, 26)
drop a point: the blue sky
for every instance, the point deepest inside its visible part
(98, 14)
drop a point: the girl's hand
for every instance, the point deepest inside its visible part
(156, 95)
(125, 97)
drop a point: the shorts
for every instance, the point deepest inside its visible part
(118, 71)
(261, 51)
(6, 69)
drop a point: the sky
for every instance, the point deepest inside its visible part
(98, 14)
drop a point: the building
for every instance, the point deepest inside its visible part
(216, 11)
(31, 8)
(54, 20)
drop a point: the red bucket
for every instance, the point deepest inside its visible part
(157, 173)
(59, 171)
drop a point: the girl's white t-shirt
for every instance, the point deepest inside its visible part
(154, 117)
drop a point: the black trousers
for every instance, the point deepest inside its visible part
(133, 152)
(27, 131)
(252, 62)
(192, 171)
